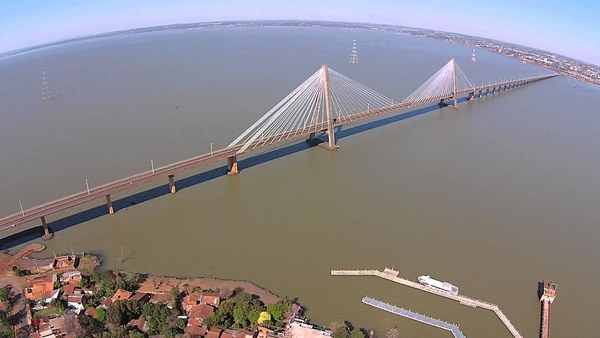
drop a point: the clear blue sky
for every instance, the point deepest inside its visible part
(570, 28)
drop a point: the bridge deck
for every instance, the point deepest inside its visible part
(130, 182)
(414, 316)
(392, 275)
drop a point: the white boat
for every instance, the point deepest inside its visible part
(444, 286)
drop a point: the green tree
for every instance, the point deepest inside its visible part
(276, 311)
(176, 298)
(101, 315)
(136, 334)
(6, 329)
(4, 296)
(85, 283)
(240, 316)
(340, 330)
(253, 316)
(59, 304)
(117, 313)
(356, 333)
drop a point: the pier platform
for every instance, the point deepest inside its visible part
(393, 276)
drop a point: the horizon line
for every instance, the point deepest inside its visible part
(173, 26)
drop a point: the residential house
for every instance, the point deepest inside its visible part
(72, 277)
(76, 302)
(199, 313)
(215, 332)
(121, 295)
(139, 323)
(160, 298)
(91, 311)
(264, 332)
(42, 289)
(195, 331)
(69, 289)
(64, 262)
(190, 301)
(211, 298)
(140, 297)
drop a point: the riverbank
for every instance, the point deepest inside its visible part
(164, 284)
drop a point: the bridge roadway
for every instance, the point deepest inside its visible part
(104, 191)
(414, 316)
(392, 275)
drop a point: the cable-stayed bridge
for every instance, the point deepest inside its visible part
(326, 100)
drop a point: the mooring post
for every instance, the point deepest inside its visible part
(328, 112)
(232, 165)
(172, 188)
(111, 210)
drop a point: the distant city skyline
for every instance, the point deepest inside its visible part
(569, 29)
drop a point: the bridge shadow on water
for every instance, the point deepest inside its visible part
(190, 181)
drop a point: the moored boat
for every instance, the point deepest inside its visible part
(444, 286)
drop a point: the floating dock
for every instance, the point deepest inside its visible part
(392, 275)
(414, 316)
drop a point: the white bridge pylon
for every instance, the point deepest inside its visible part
(442, 85)
(313, 106)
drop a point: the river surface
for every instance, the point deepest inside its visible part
(493, 197)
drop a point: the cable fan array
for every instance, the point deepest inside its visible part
(440, 85)
(303, 111)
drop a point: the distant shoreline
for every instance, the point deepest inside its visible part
(567, 66)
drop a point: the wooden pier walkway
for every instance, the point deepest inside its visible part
(414, 316)
(392, 275)
(547, 298)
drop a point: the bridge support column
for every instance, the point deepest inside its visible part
(232, 166)
(172, 188)
(479, 96)
(47, 234)
(329, 114)
(471, 96)
(111, 210)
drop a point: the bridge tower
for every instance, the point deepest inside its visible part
(454, 92)
(328, 111)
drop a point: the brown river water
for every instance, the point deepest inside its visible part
(493, 197)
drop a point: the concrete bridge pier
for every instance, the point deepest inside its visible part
(172, 188)
(471, 96)
(331, 145)
(479, 96)
(47, 234)
(232, 166)
(111, 210)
